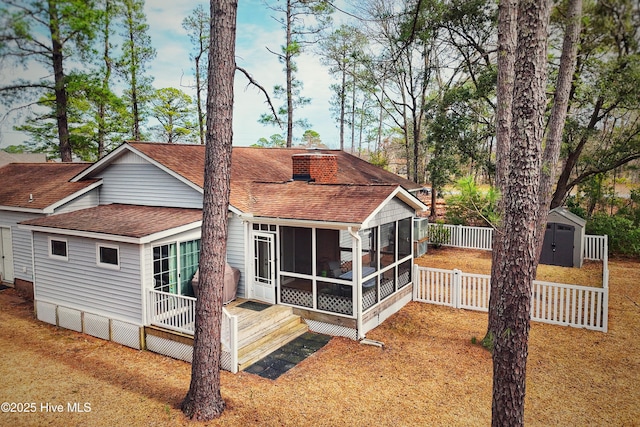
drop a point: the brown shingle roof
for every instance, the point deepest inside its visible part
(120, 220)
(317, 202)
(48, 183)
(250, 166)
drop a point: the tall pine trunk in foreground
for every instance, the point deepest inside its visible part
(204, 401)
(516, 259)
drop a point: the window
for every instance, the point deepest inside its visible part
(165, 268)
(189, 258)
(108, 256)
(58, 248)
(174, 265)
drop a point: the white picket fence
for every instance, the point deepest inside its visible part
(463, 236)
(555, 303)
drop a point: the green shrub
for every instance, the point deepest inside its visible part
(624, 237)
(438, 234)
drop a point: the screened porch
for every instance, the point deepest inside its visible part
(317, 266)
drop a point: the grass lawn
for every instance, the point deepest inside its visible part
(427, 374)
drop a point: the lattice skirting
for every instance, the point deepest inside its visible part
(386, 288)
(225, 361)
(404, 279)
(333, 330)
(91, 324)
(296, 297)
(335, 303)
(369, 298)
(170, 348)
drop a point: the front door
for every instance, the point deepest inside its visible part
(264, 267)
(6, 255)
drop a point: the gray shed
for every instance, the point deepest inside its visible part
(563, 239)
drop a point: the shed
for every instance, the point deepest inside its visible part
(563, 239)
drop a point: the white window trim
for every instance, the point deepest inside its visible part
(104, 264)
(55, 256)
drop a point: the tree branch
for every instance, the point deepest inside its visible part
(253, 82)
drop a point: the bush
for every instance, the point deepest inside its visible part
(470, 206)
(439, 235)
(624, 237)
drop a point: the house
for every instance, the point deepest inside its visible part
(321, 232)
(35, 190)
(7, 158)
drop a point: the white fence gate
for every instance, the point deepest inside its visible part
(558, 304)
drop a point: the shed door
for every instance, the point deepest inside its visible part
(6, 255)
(264, 267)
(557, 248)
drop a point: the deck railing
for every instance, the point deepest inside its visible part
(555, 303)
(177, 313)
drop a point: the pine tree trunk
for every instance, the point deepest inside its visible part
(60, 85)
(568, 60)
(516, 259)
(507, 36)
(204, 401)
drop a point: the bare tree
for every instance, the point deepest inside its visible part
(203, 401)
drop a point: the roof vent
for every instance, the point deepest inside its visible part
(318, 167)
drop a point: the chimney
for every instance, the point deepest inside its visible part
(318, 167)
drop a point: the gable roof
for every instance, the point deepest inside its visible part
(250, 166)
(257, 174)
(129, 223)
(40, 187)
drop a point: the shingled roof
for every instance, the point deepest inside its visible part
(264, 164)
(39, 186)
(130, 221)
(255, 171)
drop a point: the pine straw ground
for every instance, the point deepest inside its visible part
(428, 373)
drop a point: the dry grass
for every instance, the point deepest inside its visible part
(475, 261)
(428, 373)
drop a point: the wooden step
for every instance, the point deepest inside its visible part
(252, 323)
(271, 342)
(267, 332)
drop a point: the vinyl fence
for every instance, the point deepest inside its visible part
(554, 303)
(463, 236)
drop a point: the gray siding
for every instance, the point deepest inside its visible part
(21, 240)
(393, 211)
(88, 200)
(236, 250)
(135, 182)
(80, 284)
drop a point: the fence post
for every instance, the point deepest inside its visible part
(456, 288)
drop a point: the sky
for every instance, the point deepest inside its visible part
(257, 30)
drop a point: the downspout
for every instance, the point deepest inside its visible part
(357, 276)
